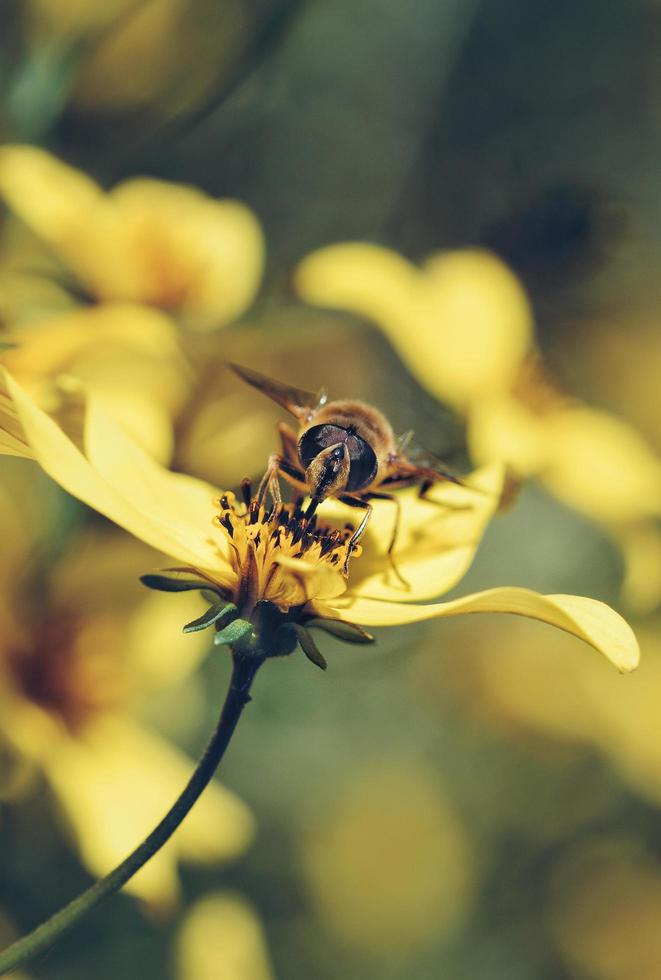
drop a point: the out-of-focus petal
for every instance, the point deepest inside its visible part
(172, 246)
(50, 346)
(221, 939)
(116, 781)
(462, 324)
(54, 199)
(500, 427)
(389, 865)
(479, 325)
(436, 542)
(588, 619)
(158, 653)
(641, 549)
(366, 279)
(602, 466)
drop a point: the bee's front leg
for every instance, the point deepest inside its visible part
(351, 501)
(279, 467)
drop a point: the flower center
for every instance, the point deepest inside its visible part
(67, 666)
(269, 544)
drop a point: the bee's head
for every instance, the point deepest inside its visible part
(328, 473)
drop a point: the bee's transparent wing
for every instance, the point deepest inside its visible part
(299, 402)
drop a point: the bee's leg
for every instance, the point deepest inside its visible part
(269, 482)
(351, 501)
(424, 489)
(289, 444)
(376, 495)
(278, 467)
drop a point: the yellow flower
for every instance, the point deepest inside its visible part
(388, 863)
(146, 241)
(463, 325)
(221, 939)
(580, 706)
(604, 911)
(248, 555)
(129, 355)
(81, 654)
(142, 254)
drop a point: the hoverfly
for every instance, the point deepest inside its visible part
(344, 449)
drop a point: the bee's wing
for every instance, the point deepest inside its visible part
(435, 471)
(414, 463)
(297, 401)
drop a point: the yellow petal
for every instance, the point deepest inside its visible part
(641, 550)
(373, 854)
(599, 464)
(172, 246)
(52, 345)
(367, 279)
(221, 939)
(436, 543)
(298, 581)
(158, 654)
(181, 506)
(462, 324)
(13, 440)
(479, 325)
(116, 782)
(164, 520)
(588, 619)
(55, 200)
(500, 427)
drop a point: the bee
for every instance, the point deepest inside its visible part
(345, 449)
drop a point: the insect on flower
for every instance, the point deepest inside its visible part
(345, 449)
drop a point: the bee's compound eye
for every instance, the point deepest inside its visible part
(318, 438)
(363, 463)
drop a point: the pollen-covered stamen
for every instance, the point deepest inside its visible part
(262, 537)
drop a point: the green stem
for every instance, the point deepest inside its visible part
(50, 931)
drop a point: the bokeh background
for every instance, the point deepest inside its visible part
(474, 799)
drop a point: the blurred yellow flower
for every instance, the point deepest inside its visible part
(142, 254)
(463, 325)
(81, 651)
(221, 939)
(579, 704)
(129, 355)
(249, 555)
(605, 912)
(146, 241)
(389, 865)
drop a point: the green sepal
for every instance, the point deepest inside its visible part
(309, 647)
(211, 616)
(233, 632)
(162, 583)
(348, 632)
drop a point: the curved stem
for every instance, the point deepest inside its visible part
(49, 931)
